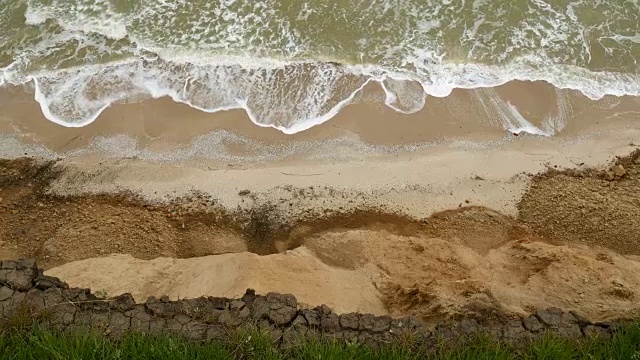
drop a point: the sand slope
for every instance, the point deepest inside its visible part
(228, 275)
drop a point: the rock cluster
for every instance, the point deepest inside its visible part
(70, 310)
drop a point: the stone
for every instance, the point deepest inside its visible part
(513, 330)
(124, 302)
(244, 313)
(44, 282)
(349, 321)
(467, 327)
(330, 323)
(570, 332)
(260, 307)
(592, 331)
(219, 303)
(5, 293)
(582, 321)
(283, 315)
(156, 325)
(236, 304)
(299, 322)
(532, 323)
(8, 264)
(140, 319)
(381, 324)
(619, 171)
(609, 175)
(158, 308)
(26, 264)
(276, 301)
(312, 317)
(548, 318)
(20, 280)
(367, 322)
(194, 330)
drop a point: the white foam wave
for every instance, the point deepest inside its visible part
(290, 97)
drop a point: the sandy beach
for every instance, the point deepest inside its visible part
(444, 212)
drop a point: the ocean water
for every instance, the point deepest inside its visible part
(293, 64)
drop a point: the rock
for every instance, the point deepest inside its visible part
(349, 321)
(124, 302)
(381, 324)
(532, 323)
(582, 321)
(548, 318)
(513, 330)
(8, 264)
(26, 264)
(330, 323)
(312, 317)
(619, 171)
(236, 304)
(609, 175)
(592, 331)
(20, 280)
(44, 282)
(367, 321)
(466, 327)
(637, 161)
(5, 293)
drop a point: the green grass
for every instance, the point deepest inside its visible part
(37, 343)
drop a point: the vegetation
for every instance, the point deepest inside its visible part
(34, 342)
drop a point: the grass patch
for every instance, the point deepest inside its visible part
(38, 343)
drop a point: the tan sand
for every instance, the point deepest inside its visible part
(229, 275)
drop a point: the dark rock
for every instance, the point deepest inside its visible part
(548, 318)
(165, 299)
(466, 327)
(140, 319)
(260, 307)
(299, 322)
(26, 264)
(236, 304)
(248, 297)
(8, 264)
(592, 331)
(276, 301)
(194, 330)
(330, 323)
(219, 303)
(582, 321)
(158, 308)
(5, 293)
(244, 313)
(156, 325)
(20, 280)
(381, 324)
(44, 282)
(513, 330)
(123, 302)
(349, 321)
(227, 318)
(367, 322)
(570, 332)
(35, 299)
(532, 323)
(183, 319)
(312, 317)
(118, 324)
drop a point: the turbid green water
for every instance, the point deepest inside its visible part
(293, 64)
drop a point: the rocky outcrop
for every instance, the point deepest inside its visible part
(69, 310)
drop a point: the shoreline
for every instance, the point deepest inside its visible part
(360, 205)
